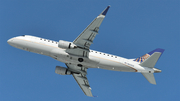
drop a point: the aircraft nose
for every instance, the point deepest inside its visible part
(10, 41)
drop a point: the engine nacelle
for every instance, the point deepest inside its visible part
(62, 70)
(66, 44)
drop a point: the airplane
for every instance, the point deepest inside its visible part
(78, 57)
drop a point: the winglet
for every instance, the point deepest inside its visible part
(105, 11)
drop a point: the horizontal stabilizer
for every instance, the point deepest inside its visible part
(150, 77)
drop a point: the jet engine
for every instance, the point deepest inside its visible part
(62, 70)
(66, 44)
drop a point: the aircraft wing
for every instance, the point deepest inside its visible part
(79, 75)
(85, 39)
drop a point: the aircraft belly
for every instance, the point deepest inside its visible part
(38, 48)
(60, 55)
(87, 62)
(114, 65)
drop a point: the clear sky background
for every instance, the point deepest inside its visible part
(131, 29)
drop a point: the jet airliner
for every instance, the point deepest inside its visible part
(78, 57)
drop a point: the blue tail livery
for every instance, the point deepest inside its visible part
(146, 56)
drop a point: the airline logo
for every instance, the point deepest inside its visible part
(142, 58)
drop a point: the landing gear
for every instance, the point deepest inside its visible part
(80, 60)
(79, 65)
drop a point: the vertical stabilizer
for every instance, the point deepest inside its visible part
(150, 77)
(150, 59)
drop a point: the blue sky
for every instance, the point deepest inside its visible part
(131, 29)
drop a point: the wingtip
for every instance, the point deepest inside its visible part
(106, 10)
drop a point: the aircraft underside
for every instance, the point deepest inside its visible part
(78, 57)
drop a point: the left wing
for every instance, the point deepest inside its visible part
(79, 75)
(85, 39)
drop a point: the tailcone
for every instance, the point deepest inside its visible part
(157, 70)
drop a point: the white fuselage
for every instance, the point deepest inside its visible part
(95, 59)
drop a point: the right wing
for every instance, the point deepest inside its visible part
(83, 84)
(79, 75)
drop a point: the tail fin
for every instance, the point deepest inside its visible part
(150, 59)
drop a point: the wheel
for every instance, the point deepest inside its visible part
(80, 59)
